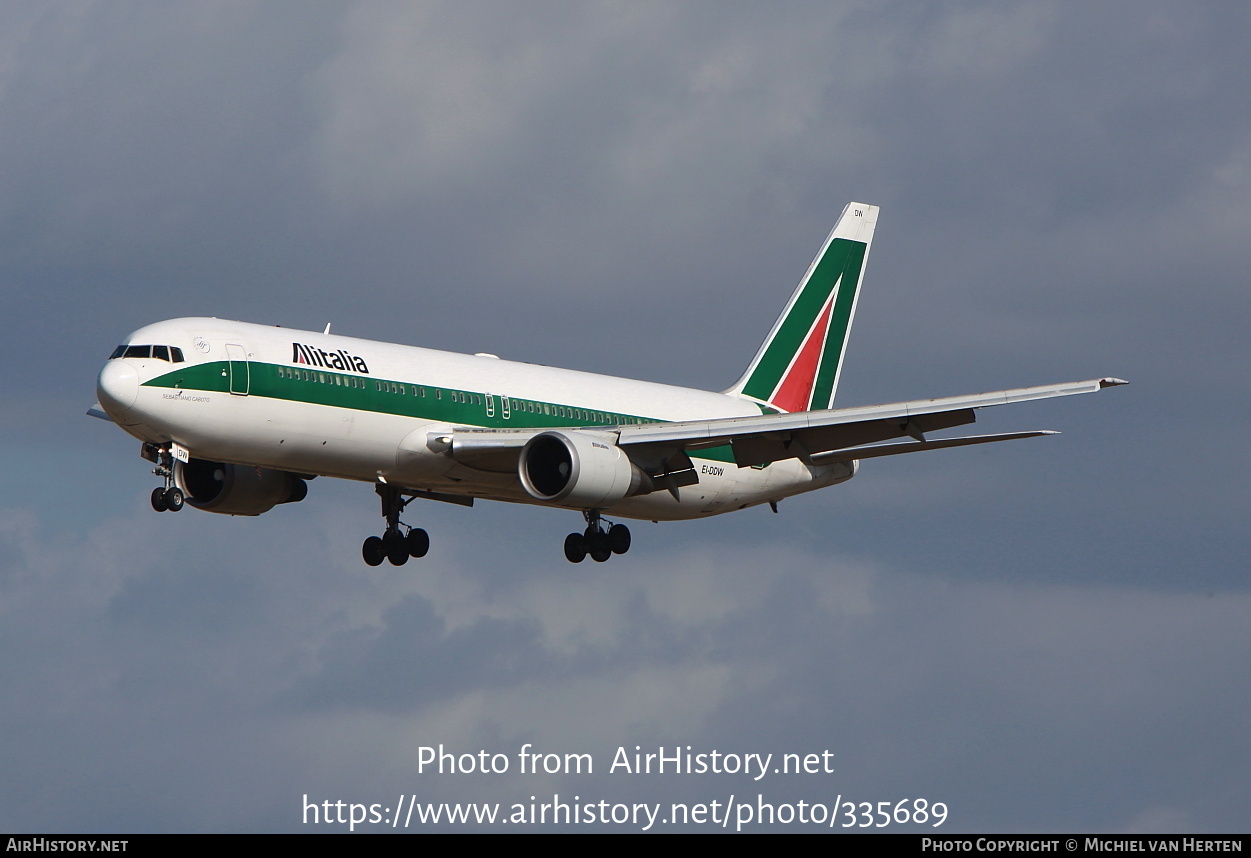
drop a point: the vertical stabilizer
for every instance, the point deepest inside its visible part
(798, 366)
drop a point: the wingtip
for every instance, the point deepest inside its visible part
(1112, 382)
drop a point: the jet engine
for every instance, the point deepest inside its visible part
(579, 469)
(236, 489)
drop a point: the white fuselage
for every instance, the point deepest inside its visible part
(312, 403)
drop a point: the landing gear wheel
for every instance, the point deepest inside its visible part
(597, 546)
(394, 547)
(575, 548)
(158, 500)
(399, 541)
(417, 542)
(174, 498)
(619, 539)
(372, 551)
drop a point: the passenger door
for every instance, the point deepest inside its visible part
(240, 375)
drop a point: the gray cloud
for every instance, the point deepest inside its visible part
(1047, 636)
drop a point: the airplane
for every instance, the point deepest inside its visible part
(238, 417)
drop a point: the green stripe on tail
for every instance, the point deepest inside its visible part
(798, 366)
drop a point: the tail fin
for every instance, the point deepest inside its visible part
(798, 366)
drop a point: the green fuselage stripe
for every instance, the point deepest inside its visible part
(404, 399)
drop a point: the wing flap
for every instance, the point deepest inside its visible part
(803, 443)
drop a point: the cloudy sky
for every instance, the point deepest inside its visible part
(1044, 636)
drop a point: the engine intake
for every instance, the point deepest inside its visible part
(236, 489)
(579, 469)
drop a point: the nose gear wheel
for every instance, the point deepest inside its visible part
(167, 498)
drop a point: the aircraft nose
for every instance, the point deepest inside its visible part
(117, 387)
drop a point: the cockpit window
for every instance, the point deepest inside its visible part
(173, 354)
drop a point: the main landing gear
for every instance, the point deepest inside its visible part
(597, 541)
(399, 542)
(168, 497)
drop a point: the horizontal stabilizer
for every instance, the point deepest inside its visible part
(96, 411)
(896, 449)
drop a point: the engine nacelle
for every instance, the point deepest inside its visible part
(579, 469)
(236, 489)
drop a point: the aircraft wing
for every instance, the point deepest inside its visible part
(805, 434)
(815, 437)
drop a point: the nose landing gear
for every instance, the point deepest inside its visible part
(168, 497)
(597, 541)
